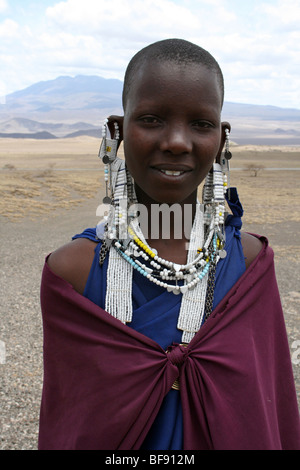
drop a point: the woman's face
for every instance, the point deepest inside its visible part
(172, 131)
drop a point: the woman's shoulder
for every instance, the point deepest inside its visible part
(251, 247)
(72, 262)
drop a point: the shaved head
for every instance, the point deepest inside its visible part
(177, 51)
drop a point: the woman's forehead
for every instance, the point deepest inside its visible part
(156, 79)
(169, 70)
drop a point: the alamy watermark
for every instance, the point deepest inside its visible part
(2, 353)
(296, 353)
(166, 220)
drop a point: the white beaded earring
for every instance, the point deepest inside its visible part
(108, 154)
(225, 162)
(119, 190)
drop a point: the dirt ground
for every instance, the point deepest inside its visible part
(49, 191)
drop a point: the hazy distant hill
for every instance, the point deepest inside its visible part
(37, 135)
(22, 125)
(70, 106)
(65, 100)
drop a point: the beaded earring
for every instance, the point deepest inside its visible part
(225, 162)
(108, 154)
(119, 190)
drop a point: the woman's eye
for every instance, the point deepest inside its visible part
(203, 124)
(149, 120)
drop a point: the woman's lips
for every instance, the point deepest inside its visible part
(172, 171)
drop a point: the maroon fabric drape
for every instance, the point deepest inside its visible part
(104, 382)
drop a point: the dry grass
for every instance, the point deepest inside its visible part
(38, 177)
(271, 197)
(36, 182)
(28, 194)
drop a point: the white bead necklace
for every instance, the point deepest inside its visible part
(190, 280)
(160, 270)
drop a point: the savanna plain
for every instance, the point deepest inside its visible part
(50, 190)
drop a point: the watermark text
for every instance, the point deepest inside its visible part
(296, 353)
(2, 353)
(166, 220)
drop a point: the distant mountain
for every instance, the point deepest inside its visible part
(68, 107)
(266, 113)
(26, 126)
(97, 133)
(67, 100)
(262, 125)
(37, 136)
(68, 86)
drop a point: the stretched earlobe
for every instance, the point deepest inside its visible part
(119, 120)
(226, 128)
(227, 153)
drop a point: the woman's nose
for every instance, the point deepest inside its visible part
(176, 140)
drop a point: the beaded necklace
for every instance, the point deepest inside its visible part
(161, 271)
(129, 251)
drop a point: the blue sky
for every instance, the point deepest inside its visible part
(257, 42)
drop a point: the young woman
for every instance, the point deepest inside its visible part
(155, 341)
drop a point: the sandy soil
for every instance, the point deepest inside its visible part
(49, 191)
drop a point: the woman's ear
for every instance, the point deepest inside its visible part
(119, 120)
(224, 125)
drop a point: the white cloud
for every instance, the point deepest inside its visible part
(70, 51)
(283, 15)
(119, 28)
(3, 6)
(107, 34)
(257, 43)
(123, 18)
(8, 29)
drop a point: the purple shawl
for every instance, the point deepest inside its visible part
(104, 382)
